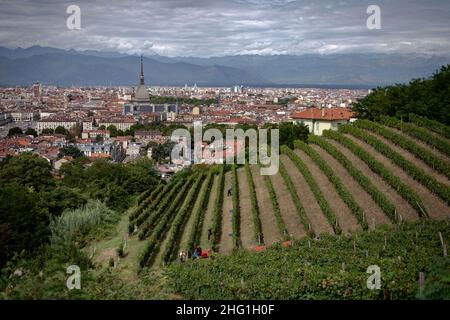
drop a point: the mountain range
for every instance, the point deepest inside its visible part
(53, 66)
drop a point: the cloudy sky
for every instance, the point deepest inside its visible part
(205, 28)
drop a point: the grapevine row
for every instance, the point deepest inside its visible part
(428, 157)
(432, 125)
(276, 209)
(144, 200)
(419, 133)
(298, 205)
(179, 221)
(323, 203)
(337, 183)
(236, 208)
(407, 193)
(217, 214)
(377, 196)
(416, 173)
(254, 202)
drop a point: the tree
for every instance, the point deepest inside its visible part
(162, 151)
(71, 151)
(48, 131)
(31, 132)
(61, 130)
(14, 131)
(29, 170)
(112, 130)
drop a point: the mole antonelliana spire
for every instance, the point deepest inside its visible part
(141, 78)
(141, 93)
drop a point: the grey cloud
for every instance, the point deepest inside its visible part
(216, 28)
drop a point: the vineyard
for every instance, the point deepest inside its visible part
(360, 179)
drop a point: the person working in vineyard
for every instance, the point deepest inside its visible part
(197, 253)
(230, 189)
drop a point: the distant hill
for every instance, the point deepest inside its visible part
(66, 67)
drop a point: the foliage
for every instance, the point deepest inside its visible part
(289, 132)
(47, 131)
(336, 181)
(276, 209)
(298, 204)
(71, 151)
(236, 208)
(27, 169)
(420, 133)
(426, 156)
(15, 131)
(61, 130)
(313, 269)
(377, 196)
(415, 172)
(254, 202)
(406, 192)
(424, 97)
(161, 227)
(437, 283)
(31, 132)
(323, 203)
(161, 152)
(178, 222)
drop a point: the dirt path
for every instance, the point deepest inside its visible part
(347, 220)
(435, 207)
(226, 238)
(424, 145)
(413, 159)
(246, 223)
(268, 223)
(365, 201)
(207, 222)
(287, 208)
(402, 206)
(315, 215)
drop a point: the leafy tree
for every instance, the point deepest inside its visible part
(14, 131)
(48, 131)
(113, 130)
(31, 132)
(161, 151)
(62, 198)
(424, 97)
(61, 130)
(27, 169)
(22, 218)
(71, 151)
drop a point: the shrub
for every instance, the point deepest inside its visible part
(276, 209)
(217, 214)
(254, 202)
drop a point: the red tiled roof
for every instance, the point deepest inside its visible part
(324, 114)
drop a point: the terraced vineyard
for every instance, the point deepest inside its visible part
(357, 178)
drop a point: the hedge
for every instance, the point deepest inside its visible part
(406, 192)
(415, 172)
(178, 222)
(298, 204)
(442, 145)
(255, 208)
(323, 203)
(377, 196)
(426, 156)
(346, 196)
(276, 209)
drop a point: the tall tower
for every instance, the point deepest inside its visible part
(141, 93)
(141, 78)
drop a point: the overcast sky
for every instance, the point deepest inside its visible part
(205, 28)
